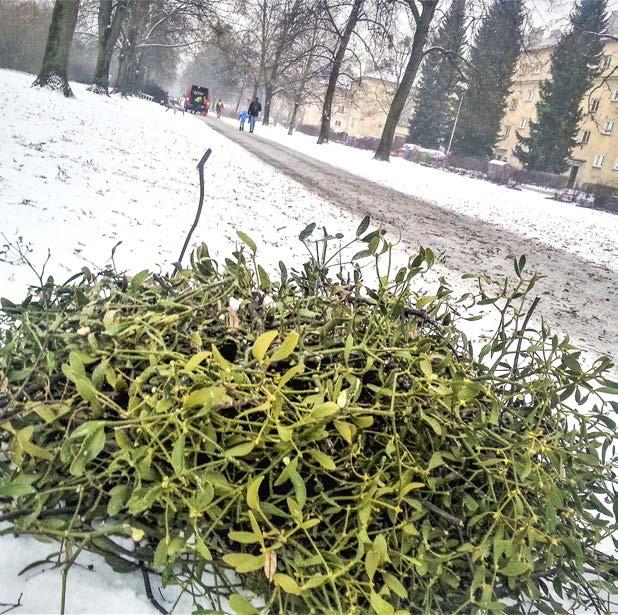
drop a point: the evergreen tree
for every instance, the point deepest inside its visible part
(435, 104)
(493, 58)
(575, 63)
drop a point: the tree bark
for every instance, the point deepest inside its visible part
(242, 91)
(268, 98)
(383, 150)
(128, 67)
(55, 65)
(292, 123)
(336, 69)
(109, 31)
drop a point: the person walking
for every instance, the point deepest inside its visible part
(219, 108)
(242, 116)
(255, 109)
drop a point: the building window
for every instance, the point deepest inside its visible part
(513, 105)
(598, 161)
(523, 123)
(506, 132)
(530, 95)
(594, 105)
(337, 123)
(608, 127)
(585, 137)
(615, 96)
(340, 109)
(607, 62)
(536, 70)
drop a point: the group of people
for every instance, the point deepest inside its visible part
(251, 114)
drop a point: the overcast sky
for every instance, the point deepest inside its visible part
(552, 12)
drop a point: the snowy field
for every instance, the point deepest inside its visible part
(590, 235)
(78, 176)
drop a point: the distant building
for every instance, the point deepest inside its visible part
(360, 109)
(595, 160)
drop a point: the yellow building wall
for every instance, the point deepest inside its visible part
(594, 142)
(360, 110)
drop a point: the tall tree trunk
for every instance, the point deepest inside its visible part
(55, 65)
(336, 69)
(109, 31)
(268, 99)
(242, 91)
(307, 66)
(269, 82)
(128, 67)
(293, 118)
(383, 150)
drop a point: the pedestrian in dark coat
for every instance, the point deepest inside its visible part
(255, 108)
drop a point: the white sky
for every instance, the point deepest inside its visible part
(548, 13)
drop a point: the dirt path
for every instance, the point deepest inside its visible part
(578, 296)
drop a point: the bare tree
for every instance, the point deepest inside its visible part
(309, 70)
(54, 69)
(128, 62)
(343, 40)
(155, 33)
(23, 30)
(423, 19)
(293, 16)
(111, 17)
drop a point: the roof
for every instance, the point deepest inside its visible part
(539, 38)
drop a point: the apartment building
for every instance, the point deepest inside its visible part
(595, 160)
(360, 109)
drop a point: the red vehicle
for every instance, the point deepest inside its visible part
(197, 100)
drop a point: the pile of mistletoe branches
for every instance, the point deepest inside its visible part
(310, 444)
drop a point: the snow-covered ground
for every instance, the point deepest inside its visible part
(78, 176)
(591, 235)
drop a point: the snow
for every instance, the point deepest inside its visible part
(591, 235)
(85, 587)
(78, 176)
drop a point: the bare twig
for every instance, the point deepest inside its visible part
(200, 168)
(148, 587)
(442, 513)
(11, 605)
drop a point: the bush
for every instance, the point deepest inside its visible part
(322, 444)
(468, 163)
(605, 197)
(540, 178)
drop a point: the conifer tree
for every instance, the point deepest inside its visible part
(575, 63)
(493, 58)
(435, 104)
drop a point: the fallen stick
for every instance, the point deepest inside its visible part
(200, 168)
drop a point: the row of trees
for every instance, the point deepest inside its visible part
(144, 36)
(470, 91)
(302, 51)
